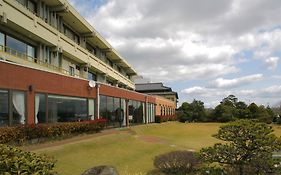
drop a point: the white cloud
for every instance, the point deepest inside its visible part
(230, 83)
(197, 40)
(272, 62)
(268, 95)
(210, 34)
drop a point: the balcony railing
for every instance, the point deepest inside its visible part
(37, 61)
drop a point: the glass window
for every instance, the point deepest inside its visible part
(4, 108)
(71, 71)
(67, 109)
(16, 46)
(40, 108)
(30, 52)
(22, 2)
(135, 112)
(2, 41)
(18, 101)
(119, 112)
(109, 62)
(31, 6)
(123, 110)
(47, 55)
(92, 76)
(91, 108)
(103, 112)
(110, 109)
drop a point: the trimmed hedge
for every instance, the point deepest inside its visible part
(22, 133)
(165, 118)
(15, 161)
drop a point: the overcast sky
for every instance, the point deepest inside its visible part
(204, 50)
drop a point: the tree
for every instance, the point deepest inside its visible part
(242, 111)
(197, 111)
(224, 113)
(248, 147)
(194, 111)
(254, 111)
(261, 113)
(230, 100)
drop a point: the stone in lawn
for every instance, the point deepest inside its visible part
(101, 170)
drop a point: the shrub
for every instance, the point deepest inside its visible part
(247, 148)
(165, 118)
(21, 133)
(15, 161)
(176, 162)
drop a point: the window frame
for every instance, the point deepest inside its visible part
(10, 105)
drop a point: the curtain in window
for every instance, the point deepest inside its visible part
(37, 102)
(19, 104)
(92, 109)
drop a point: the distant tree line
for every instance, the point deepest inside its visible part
(229, 109)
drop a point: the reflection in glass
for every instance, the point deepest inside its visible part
(16, 45)
(30, 52)
(2, 41)
(92, 76)
(113, 109)
(4, 108)
(67, 109)
(136, 114)
(103, 112)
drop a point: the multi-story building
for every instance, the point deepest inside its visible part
(159, 90)
(48, 54)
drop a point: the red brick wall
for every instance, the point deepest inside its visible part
(20, 78)
(126, 94)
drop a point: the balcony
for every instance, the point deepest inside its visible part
(22, 58)
(25, 21)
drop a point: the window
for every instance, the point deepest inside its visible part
(67, 109)
(92, 76)
(30, 52)
(22, 2)
(103, 111)
(71, 71)
(71, 34)
(40, 108)
(136, 111)
(18, 107)
(91, 108)
(4, 108)
(16, 46)
(31, 5)
(113, 109)
(110, 62)
(47, 55)
(119, 69)
(2, 41)
(12, 107)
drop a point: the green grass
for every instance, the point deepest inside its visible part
(129, 152)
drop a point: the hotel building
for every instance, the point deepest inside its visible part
(55, 67)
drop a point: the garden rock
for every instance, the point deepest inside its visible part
(101, 170)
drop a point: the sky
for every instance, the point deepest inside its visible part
(204, 50)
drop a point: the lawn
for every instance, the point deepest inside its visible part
(132, 150)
